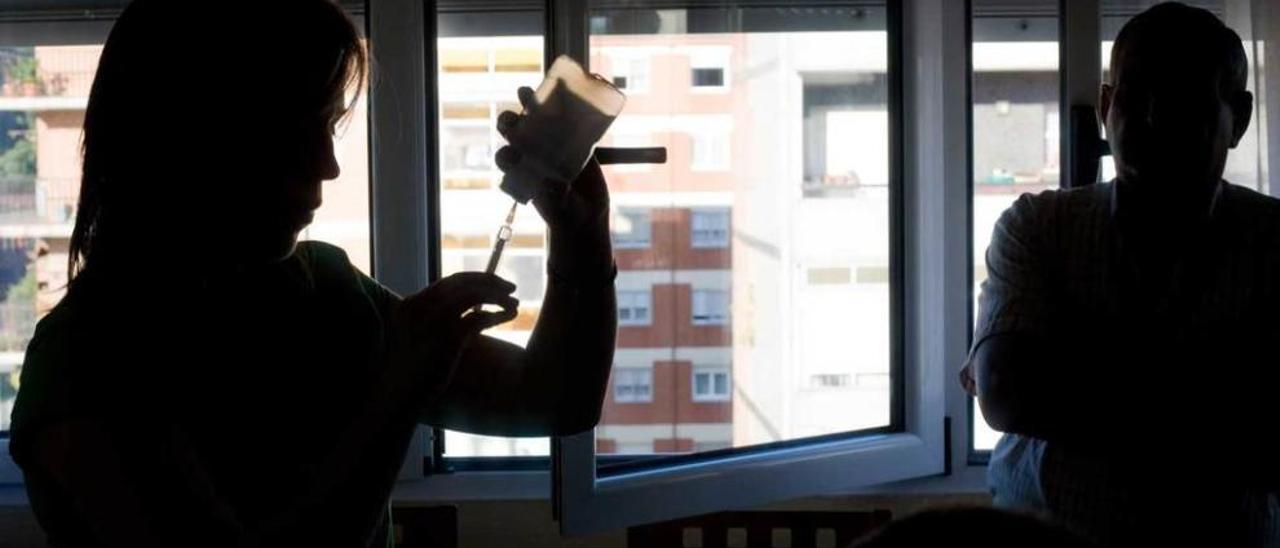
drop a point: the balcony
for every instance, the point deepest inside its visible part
(36, 207)
(17, 323)
(53, 78)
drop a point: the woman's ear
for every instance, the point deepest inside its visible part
(1241, 113)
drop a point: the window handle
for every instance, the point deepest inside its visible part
(631, 155)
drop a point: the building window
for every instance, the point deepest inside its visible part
(634, 308)
(708, 77)
(830, 380)
(632, 385)
(631, 229)
(710, 152)
(711, 384)
(631, 74)
(710, 307)
(709, 228)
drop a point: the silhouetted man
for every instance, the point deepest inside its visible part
(1123, 333)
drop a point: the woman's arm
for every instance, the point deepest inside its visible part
(556, 385)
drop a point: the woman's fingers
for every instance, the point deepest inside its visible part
(476, 322)
(528, 99)
(507, 122)
(506, 158)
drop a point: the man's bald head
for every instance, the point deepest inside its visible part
(1176, 101)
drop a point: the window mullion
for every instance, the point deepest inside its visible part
(402, 159)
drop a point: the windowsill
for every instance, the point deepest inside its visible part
(516, 486)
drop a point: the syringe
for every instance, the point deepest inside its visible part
(500, 243)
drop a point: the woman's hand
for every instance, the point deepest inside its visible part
(430, 329)
(577, 214)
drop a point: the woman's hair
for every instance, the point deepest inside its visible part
(191, 99)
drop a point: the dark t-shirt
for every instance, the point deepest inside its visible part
(256, 372)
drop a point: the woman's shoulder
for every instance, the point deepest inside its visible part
(330, 268)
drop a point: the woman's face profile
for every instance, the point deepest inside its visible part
(293, 155)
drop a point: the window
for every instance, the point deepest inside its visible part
(481, 62)
(830, 380)
(708, 77)
(711, 384)
(709, 66)
(709, 228)
(634, 308)
(710, 152)
(632, 385)
(730, 153)
(631, 229)
(1015, 127)
(630, 73)
(710, 307)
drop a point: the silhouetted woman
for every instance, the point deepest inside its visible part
(209, 381)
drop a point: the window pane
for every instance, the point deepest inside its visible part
(483, 59)
(1015, 124)
(736, 223)
(43, 93)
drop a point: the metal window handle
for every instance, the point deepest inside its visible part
(631, 155)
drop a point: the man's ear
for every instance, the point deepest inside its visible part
(1105, 93)
(1241, 114)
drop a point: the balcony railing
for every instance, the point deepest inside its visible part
(54, 71)
(28, 199)
(17, 323)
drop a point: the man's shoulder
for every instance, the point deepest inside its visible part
(1254, 212)
(1049, 208)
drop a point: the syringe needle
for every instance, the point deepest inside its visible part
(500, 243)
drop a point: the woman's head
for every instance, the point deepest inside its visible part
(209, 128)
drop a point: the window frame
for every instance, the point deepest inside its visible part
(629, 213)
(711, 371)
(648, 308)
(706, 294)
(930, 270)
(647, 373)
(708, 243)
(929, 166)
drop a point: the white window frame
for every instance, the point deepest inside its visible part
(638, 217)
(707, 242)
(702, 296)
(631, 374)
(709, 151)
(935, 240)
(631, 296)
(711, 372)
(709, 57)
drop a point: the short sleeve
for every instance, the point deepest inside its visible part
(47, 388)
(1014, 296)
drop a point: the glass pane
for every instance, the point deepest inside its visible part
(1244, 163)
(43, 94)
(803, 185)
(1015, 124)
(483, 58)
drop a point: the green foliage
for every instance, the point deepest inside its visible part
(23, 291)
(23, 70)
(20, 159)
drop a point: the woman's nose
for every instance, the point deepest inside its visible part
(329, 168)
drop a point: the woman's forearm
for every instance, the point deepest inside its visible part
(571, 349)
